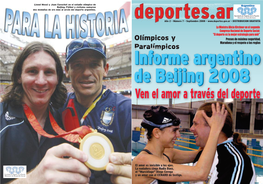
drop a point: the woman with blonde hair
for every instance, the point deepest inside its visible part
(231, 163)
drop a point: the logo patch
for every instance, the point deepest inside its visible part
(107, 116)
(166, 120)
(246, 11)
(7, 117)
(14, 171)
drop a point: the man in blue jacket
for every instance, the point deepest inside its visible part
(94, 105)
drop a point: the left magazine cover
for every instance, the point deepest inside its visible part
(65, 91)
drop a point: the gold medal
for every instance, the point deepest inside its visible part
(98, 148)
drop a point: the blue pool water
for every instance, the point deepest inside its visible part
(187, 142)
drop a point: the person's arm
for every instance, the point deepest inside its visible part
(54, 168)
(120, 167)
(181, 157)
(182, 172)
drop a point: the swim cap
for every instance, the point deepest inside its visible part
(159, 117)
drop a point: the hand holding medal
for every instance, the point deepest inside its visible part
(96, 145)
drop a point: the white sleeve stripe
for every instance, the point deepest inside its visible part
(239, 166)
(236, 165)
(11, 126)
(253, 179)
(242, 162)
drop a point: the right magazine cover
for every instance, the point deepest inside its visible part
(196, 85)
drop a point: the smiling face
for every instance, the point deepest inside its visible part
(39, 79)
(86, 71)
(200, 129)
(169, 136)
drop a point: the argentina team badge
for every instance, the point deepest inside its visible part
(107, 116)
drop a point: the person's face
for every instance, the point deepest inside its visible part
(169, 136)
(86, 72)
(200, 129)
(38, 78)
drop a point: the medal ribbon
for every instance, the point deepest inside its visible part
(72, 136)
(91, 107)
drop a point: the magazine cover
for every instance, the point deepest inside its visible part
(196, 65)
(65, 91)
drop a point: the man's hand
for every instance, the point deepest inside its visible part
(54, 168)
(120, 168)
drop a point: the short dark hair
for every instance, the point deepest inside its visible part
(15, 90)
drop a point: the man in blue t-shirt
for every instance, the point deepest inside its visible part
(91, 104)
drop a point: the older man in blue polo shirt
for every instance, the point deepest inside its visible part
(93, 105)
